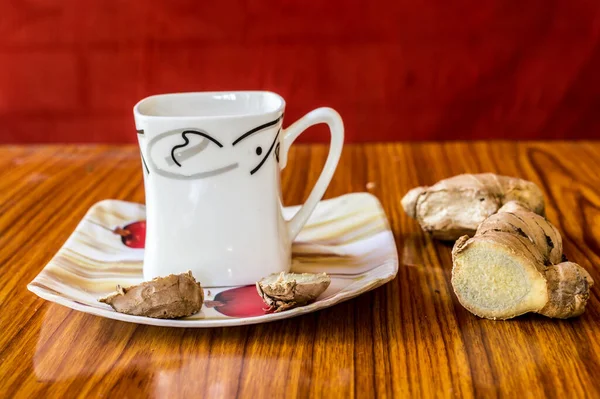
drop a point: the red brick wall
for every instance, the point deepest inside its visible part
(70, 70)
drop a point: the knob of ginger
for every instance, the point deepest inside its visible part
(456, 206)
(515, 264)
(170, 297)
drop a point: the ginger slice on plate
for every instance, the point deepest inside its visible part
(287, 290)
(167, 297)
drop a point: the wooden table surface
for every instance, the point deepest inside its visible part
(408, 338)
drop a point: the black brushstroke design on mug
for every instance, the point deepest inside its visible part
(179, 157)
(256, 129)
(188, 152)
(187, 141)
(277, 152)
(253, 171)
(144, 162)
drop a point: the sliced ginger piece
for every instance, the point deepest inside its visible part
(513, 266)
(287, 290)
(167, 297)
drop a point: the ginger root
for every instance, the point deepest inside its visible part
(513, 265)
(167, 297)
(287, 290)
(456, 206)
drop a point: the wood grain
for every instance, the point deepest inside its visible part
(409, 338)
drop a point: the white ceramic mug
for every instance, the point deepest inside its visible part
(212, 165)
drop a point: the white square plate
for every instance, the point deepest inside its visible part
(347, 237)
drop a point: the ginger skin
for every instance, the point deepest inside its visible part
(514, 265)
(288, 290)
(456, 206)
(167, 297)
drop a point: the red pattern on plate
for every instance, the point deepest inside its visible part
(239, 302)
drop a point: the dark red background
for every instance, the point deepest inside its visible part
(70, 70)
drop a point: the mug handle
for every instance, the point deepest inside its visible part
(336, 128)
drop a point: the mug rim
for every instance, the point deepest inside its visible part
(138, 107)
